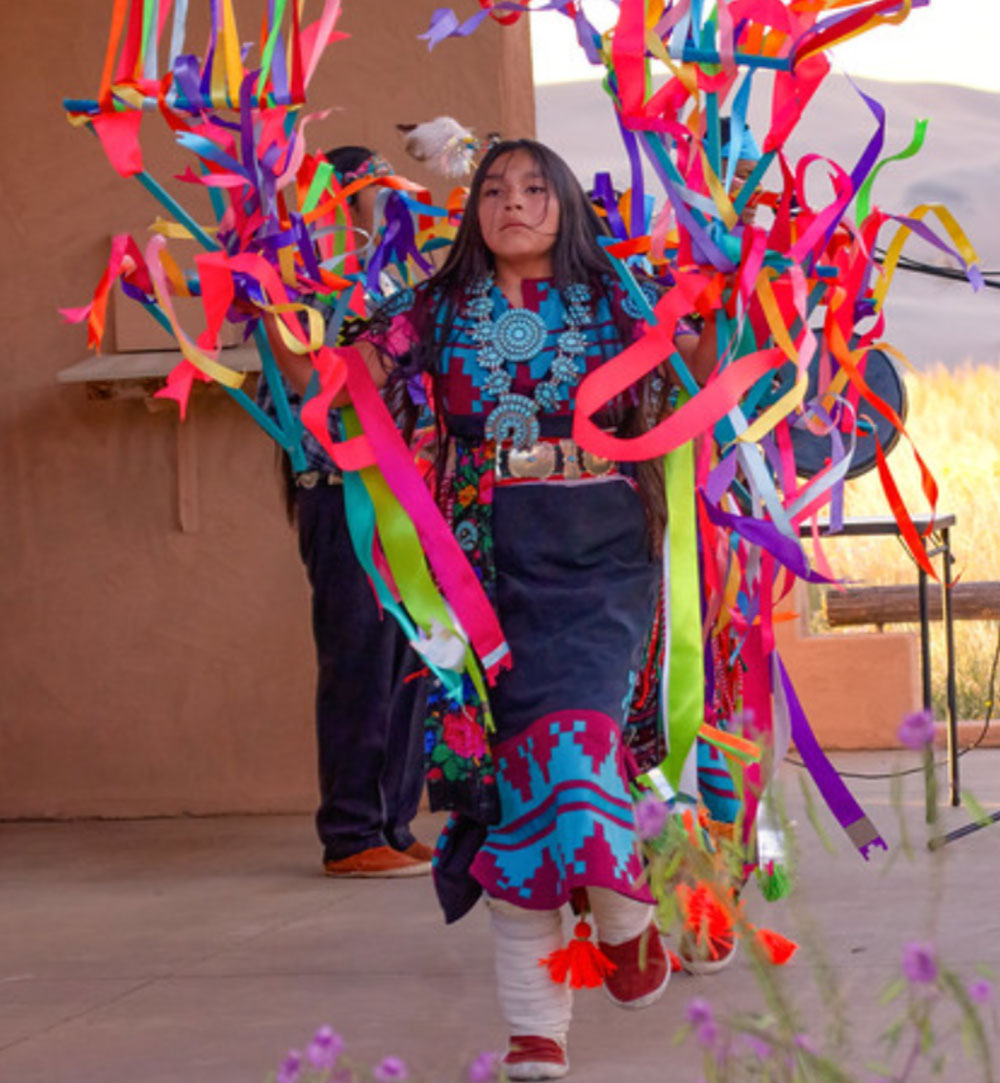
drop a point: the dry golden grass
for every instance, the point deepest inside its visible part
(952, 420)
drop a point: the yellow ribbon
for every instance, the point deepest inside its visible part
(234, 62)
(894, 250)
(316, 329)
(175, 231)
(720, 197)
(793, 398)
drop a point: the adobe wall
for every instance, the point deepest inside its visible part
(146, 670)
(855, 689)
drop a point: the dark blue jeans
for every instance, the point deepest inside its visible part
(369, 717)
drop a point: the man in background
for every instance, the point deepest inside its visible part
(369, 732)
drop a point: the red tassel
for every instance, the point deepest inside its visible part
(705, 917)
(779, 948)
(581, 962)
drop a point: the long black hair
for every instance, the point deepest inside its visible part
(577, 256)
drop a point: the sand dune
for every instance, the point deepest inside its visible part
(930, 319)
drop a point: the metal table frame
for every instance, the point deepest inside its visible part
(937, 532)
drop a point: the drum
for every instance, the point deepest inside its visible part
(814, 449)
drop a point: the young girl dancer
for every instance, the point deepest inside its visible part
(526, 305)
(523, 308)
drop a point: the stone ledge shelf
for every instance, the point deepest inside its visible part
(149, 365)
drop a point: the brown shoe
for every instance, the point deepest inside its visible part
(377, 861)
(419, 852)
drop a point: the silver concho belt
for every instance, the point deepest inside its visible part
(550, 459)
(309, 479)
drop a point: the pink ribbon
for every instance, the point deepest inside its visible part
(385, 446)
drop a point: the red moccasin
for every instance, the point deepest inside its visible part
(642, 970)
(530, 1056)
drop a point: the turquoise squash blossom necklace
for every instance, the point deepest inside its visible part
(518, 336)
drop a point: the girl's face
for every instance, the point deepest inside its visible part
(519, 215)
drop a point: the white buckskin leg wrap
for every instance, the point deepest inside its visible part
(532, 1003)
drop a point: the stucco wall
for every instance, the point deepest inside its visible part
(145, 670)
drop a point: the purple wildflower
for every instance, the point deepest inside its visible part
(702, 1018)
(760, 1048)
(806, 1044)
(650, 816)
(916, 731)
(390, 1070)
(290, 1067)
(325, 1048)
(484, 1069)
(980, 991)
(919, 964)
(700, 1011)
(708, 1033)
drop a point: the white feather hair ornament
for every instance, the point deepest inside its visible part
(443, 145)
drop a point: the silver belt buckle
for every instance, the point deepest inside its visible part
(537, 462)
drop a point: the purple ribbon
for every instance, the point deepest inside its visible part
(703, 248)
(587, 36)
(604, 193)
(446, 24)
(862, 168)
(186, 73)
(721, 477)
(206, 71)
(839, 799)
(246, 128)
(208, 151)
(405, 242)
(759, 532)
(269, 172)
(279, 73)
(635, 165)
(306, 247)
(380, 256)
(838, 466)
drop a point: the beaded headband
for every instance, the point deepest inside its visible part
(373, 166)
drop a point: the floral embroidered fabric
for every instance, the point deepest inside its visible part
(460, 771)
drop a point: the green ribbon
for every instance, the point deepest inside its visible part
(865, 191)
(267, 56)
(382, 512)
(684, 664)
(320, 181)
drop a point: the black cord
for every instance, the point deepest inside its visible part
(990, 278)
(989, 702)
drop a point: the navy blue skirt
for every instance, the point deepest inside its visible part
(576, 595)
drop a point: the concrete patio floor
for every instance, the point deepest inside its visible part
(200, 950)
